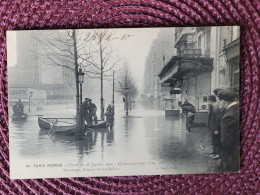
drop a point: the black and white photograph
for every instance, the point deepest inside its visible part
(123, 101)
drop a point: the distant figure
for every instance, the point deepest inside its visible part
(18, 108)
(109, 116)
(85, 110)
(92, 112)
(214, 118)
(188, 110)
(230, 130)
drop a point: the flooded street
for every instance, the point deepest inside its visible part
(146, 135)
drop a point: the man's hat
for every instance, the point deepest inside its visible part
(227, 95)
(217, 90)
(86, 98)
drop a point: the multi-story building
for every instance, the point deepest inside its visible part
(207, 57)
(161, 51)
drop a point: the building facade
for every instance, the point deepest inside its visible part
(161, 51)
(207, 58)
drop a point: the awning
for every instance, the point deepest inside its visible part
(183, 66)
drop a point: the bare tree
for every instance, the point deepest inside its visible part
(125, 83)
(66, 49)
(102, 62)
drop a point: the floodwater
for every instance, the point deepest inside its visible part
(146, 135)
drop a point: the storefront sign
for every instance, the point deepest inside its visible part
(18, 93)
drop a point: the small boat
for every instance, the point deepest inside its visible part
(22, 117)
(58, 125)
(100, 125)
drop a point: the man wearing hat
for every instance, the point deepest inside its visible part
(230, 130)
(85, 110)
(213, 125)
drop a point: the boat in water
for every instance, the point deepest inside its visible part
(100, 125)
(21, 117)
(58, 125)
(65, 125)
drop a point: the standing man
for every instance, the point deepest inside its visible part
(109, 116)
(213, 125)
(230, 130)
(85, 110)
(92, 112)
(189, 110)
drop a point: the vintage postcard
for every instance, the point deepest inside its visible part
(119, 102)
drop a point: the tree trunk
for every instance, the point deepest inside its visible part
(78, 129)
(101, 80)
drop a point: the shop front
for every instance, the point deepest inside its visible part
(192, 75)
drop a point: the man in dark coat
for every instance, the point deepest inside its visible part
(188, 110)
(109, 116)
(85, 110)
(92, 112)
(230, 131)
(214, 118)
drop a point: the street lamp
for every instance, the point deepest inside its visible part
(126, 99)
(81, 80)
(80, 133)
(31, 94)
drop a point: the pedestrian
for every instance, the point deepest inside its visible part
(92, 112)
(109, 116)
(85, 110)
(20, 108)
(188, 110)
(230, 130)
(213, 125)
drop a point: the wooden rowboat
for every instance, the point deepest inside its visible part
(58, 125)
(22, 117)
(100, 125)
(65, 125)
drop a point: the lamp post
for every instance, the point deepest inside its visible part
(31, 94)
(126, 100)
(81, 81)
(80, 133)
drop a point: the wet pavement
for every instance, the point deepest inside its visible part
(146, 135)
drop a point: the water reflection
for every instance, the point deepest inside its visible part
(144, 135)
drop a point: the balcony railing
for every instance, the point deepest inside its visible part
(190, 52)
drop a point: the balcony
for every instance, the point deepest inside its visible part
(182, 33)
(190, 52)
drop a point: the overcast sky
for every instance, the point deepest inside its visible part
(135, 48)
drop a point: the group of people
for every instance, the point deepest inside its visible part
(18, 108)
(223, 124)
(89, 111)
